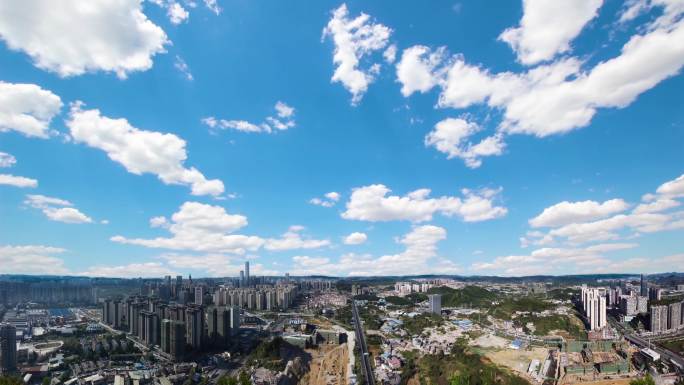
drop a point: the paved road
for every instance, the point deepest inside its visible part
(642, 343)
(663, 352)
(361, 338)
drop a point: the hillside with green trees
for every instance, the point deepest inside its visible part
(463, 367)
(544, 325)
(274, 354)
(469, 296)
(415, 325)
(409, 300)
(9, 380)
(508, 306)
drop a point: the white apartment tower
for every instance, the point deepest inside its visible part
(594, 306)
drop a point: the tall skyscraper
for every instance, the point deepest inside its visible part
(247, 281)
(242, 278)
(435, 303)
(644, 287)
(8, 349)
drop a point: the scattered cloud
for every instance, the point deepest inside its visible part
(199, 227)
(57, 209)
(182, 67)
(418, 257)
(328, 200)
(552, 98)
(133, 270)
(139, 151)
(110, 36)
(31, 259)
(213, 6)
(417, 71)
(390, 54)
(283, 120)
(547, 28)
(27, 108)
(292, 239)
(7, 160)
(371, 203)
(215, 265)
(355, 39)
(571, 212)
(17, 181)
(177, 14)
(450, 136)
(589, 221)
(355, 238)
(558, 261)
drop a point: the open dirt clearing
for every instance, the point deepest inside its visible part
(328, 366)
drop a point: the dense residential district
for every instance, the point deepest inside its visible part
(603, 329)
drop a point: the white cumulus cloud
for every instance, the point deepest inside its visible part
(283, 119)
(372, 203)
(17, 181)
(292, 239)
(77, 37)
(355, 39)
(139, 151)
(31, 259)
(7, 160)
(57, 209)
(27, 108)
(355, 238)
(547, 27)
(199, 227)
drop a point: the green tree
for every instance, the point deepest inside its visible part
(227, 380)
(9, 380)
(244, 378)
(648, 380)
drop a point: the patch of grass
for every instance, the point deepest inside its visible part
(676, 346)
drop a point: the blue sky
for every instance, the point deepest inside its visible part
(161, 137)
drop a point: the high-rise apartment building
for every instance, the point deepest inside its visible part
(594, 305)
(674, 315)
(173, 338)
(199, 295)
(655, 293)
(234, 320)
(8, 349)
(628, 305)
(435, 303)
(219, 325)
(194, 323)
(659, 318)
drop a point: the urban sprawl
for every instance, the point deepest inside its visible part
(613, 329)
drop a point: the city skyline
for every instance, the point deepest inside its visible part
(368, 140)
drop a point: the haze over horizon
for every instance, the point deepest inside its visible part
(153, 138)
